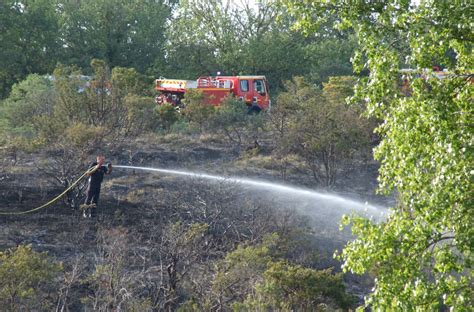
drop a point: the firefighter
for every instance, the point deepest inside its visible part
(96, 175)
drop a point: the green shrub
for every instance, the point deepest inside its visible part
(26, 279)
(167, 115)
(197, 111)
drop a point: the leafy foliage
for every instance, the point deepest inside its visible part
(261, 281)
(287, 287)
(36, 35)
(25, 278)
(196, 110)
(167, 115)
(234, 120)
(330, 57)
(318, 126)
(422, 253)
(31, 97)
(123, 33)
(28, 40)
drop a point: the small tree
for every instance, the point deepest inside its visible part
(255, 278)
(325, 131)
(233, 120)
(29, 98)
(287, 287)
(179, 250)
(113, 284)
(196, 110)
(284, 115)
(240, 270)
(26, 279)
(167, 115)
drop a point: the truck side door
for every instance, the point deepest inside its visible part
(260, 94)
(245, 90)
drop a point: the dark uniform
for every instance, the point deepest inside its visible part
(93, 190)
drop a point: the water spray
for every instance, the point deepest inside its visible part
(276, 187)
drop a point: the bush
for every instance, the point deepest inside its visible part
(26, 279)
(167, 115)
(32, 97)
(320, 127)
(233, 120)
(288, 287)
(254, 278)
(197, 111)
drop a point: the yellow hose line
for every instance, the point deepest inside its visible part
(51, 201)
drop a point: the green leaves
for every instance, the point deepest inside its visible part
(167, 115)
(422, 254)
(260, 281)
(36, 35)
(292, 287)
(320, 127)
(196, 110)
(124, 33)
(30, 98)
(28, 40)
(24, 276)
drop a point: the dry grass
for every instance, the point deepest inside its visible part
(18, 169)
(265, 162)
(269, 162)
(208, 138)
(135, 196)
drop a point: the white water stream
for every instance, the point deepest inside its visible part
(292, 194)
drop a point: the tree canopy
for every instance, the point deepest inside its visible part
(175, 39)
(35, 35)
(421, 254)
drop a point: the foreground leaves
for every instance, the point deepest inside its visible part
(422, 254)
(25, 277)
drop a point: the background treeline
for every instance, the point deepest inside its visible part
(177, 39)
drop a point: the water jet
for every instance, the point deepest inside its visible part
(299, 193)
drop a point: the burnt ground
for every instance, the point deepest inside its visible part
(140, 200)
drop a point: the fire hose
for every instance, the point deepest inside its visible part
(52, 201)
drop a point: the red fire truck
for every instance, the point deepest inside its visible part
(253, 90)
